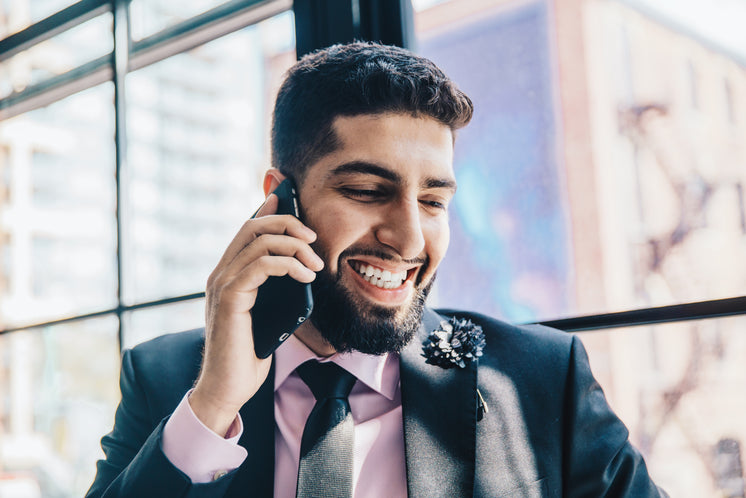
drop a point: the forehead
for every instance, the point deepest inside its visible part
(412, 147)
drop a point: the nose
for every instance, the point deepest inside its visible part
(401, 229)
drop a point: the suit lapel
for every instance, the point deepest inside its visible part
(256, 475)
(439, 411)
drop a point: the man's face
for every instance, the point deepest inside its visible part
(379, 207)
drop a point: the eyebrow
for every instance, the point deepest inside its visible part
(368, 169)
(376, 170)
(440, 183)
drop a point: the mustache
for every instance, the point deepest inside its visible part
(350, 252)
(353, 251)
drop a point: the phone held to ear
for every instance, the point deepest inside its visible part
(282, 303)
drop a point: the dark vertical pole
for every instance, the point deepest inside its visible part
(320, 23)
(120, 63)
(388, 21)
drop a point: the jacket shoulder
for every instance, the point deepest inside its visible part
(520, 340)
(536, 359)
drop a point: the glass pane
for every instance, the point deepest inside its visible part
(150, 16)
(419, 5)
(57, 55)
(197, 128)
(59, 390)
(16, 15)
(147, 323)
(604, 168)
(680, 388)
(57, 220)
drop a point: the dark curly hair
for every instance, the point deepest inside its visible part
(354, 79)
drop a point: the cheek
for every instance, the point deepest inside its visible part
(438, 235)
(336, 229)
(336, 221)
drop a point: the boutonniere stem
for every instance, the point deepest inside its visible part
(482, 408)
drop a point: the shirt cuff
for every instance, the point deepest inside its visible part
(196, 450)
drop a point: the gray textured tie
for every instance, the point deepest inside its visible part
(325, 468)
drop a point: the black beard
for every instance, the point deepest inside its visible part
(348, 324)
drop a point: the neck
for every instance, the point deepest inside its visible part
(312, 338)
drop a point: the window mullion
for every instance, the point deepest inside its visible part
(120, 63)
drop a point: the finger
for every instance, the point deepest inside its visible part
(284, 224)
(253, 228)
(243, 237)
(269, 206)
(275, 245)
(241, 291)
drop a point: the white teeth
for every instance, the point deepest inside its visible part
(381, 278)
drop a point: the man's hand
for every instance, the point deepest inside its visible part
(268, 245)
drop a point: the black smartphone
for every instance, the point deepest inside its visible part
(282, 303)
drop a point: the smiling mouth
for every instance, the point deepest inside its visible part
(383, 279)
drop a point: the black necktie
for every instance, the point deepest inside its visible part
(325, 468)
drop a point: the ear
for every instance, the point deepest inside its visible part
(272, 179)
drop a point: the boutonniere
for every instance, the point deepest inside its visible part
(456, 343)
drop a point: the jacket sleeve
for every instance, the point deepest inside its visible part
(599, 459)
(135, 465)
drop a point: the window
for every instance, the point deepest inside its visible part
(149, 17)
(584, 197)
(198, 150)
(59, 220)
(59, 389)
(16, 16)
(57, 55)
(119, 193)
(677, 387)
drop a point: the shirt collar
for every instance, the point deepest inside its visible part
(380, 373)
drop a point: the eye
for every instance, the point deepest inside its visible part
(435, 204)
(363, 194)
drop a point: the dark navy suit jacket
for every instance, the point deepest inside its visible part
(549, 431)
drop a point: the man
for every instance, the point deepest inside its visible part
(367, 132)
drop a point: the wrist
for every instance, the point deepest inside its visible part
(215, 416)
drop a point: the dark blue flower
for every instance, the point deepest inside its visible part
(455, 344)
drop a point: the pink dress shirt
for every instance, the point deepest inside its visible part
(375, 401)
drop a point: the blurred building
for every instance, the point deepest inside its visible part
(612, 141)
(667, 119)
